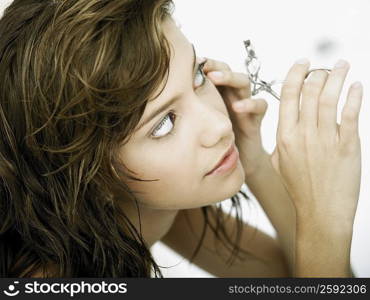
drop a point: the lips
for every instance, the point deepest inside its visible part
(226, 154)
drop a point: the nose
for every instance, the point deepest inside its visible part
(215, 125)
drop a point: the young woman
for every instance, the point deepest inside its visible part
(111, 132)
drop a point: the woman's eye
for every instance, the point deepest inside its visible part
(200, 77)
(165, 126)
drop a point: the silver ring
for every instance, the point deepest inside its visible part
(327, 70)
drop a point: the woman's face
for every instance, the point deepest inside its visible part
(194, 134)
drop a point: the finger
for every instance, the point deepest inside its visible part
(251, 106)
(329, 97)
(350, 113)
(215, 65)
(236, 80)
(310, 97)
(290, 96)
(251, 113)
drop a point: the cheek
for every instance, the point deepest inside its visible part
(174, 188)
(175, 174)
(215, 93)
(168, 164)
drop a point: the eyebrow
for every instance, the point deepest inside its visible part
(170, 102)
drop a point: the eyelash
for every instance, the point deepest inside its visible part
(200, 69)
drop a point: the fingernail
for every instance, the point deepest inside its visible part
(201, 59)
(357, 85)
(340, 64)
(302, 61)
(216, 74)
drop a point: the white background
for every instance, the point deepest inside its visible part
(283, 31)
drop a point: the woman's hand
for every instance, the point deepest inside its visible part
(234, 88)
(318, 159)
(262, 180)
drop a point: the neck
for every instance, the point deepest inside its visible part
(155, 223)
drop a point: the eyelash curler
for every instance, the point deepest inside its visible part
(253, 67)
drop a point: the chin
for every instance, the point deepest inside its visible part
(235, 179)
(232, 184)
(238, 179)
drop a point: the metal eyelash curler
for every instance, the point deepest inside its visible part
(253, 67)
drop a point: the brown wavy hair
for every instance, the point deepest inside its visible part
(75, 78)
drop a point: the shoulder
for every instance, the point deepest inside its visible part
(260, 254)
